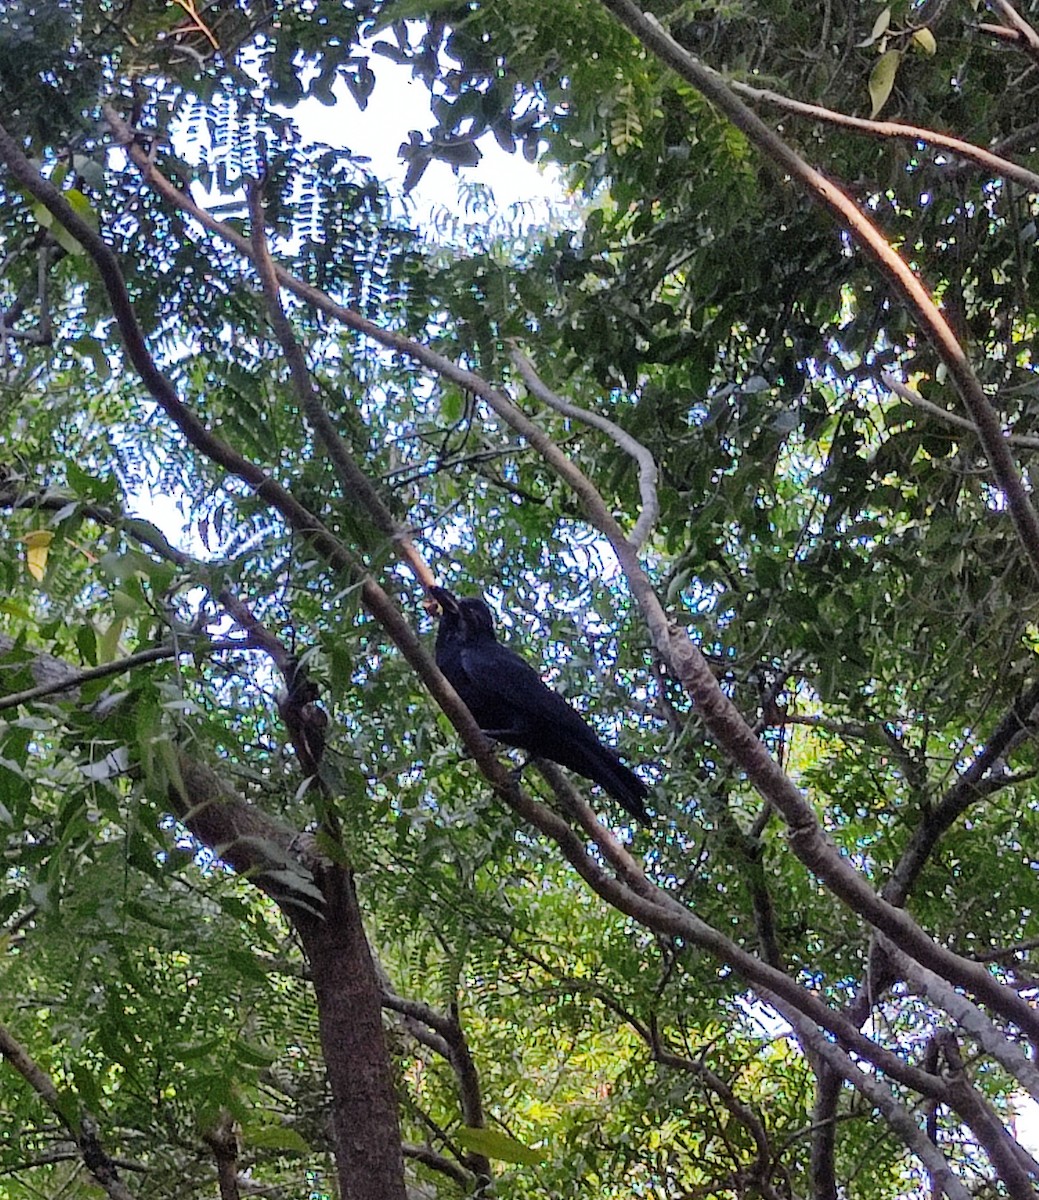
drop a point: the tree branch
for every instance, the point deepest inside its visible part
(970, 1018)
(936, 410)
(646, 463)
(1018, 27)
(893, 129)
(116, 667)
(97, 1162)
(876, 246)
(881, 1097)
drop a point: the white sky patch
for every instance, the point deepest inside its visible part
(1026, 1123)
(399, 104)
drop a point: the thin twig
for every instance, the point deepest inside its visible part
(116, 667)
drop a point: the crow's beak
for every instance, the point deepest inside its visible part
(442, 602)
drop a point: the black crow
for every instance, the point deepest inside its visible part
(512, 705)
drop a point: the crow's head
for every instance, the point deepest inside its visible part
(462, 619)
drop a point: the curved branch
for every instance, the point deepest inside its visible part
(1017, 27)
(894, 129)
(428, 1157)
(936, 410)
(455, 1048)
(646, 463)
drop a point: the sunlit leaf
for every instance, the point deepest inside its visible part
(37, 548)
(495, 1144)
(882, 79)
(925, 40)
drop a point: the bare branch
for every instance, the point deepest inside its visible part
(1017, 1169)
(936, 410)
(882, 1098)
(428, 1157)
(449, 1040)
(893, 129)
(646, 463)
(117, 667)
(1018, 28)
(970, 1018)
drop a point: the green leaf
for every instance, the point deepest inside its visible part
(108, 642)
(58, 231)
(452, 405)
(492, 1143)
(89, 347)
(924, 40)
(274, 1137)
(882, 79)
(880, 27)
(254, 1055)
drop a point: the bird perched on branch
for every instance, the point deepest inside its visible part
(512, 705)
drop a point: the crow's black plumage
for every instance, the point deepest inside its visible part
(512, 705)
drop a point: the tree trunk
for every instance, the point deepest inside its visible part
(364, 1104)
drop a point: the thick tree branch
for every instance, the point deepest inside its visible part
(969, 1017)
(880, 1096)
(1018, 1171)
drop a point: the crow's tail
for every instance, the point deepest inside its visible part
(601, 765)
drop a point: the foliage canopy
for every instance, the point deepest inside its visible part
(220, 750)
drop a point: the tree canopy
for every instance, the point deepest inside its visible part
(739, 445)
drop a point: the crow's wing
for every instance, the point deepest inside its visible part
(512, 703)
(511, 700)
